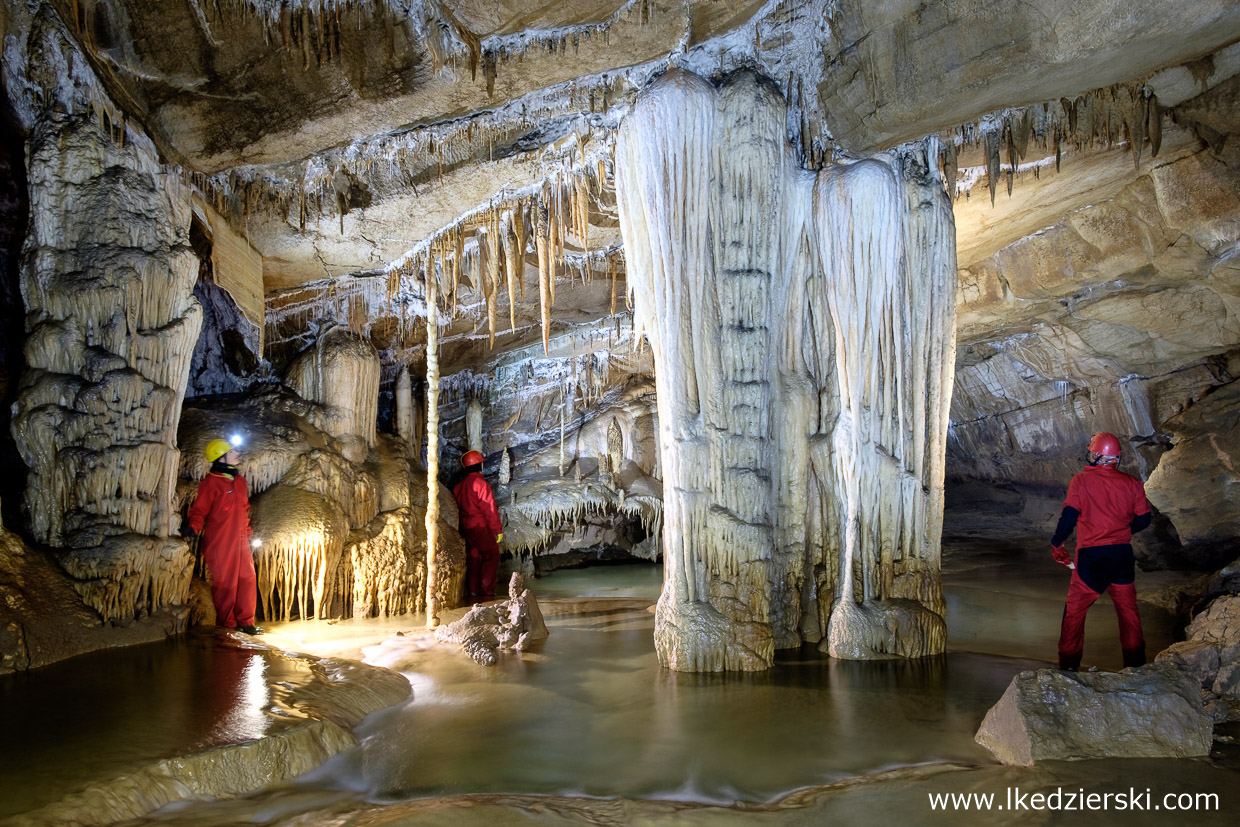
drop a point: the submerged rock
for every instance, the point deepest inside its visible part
(1151, 712)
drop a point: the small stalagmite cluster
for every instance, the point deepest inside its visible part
(802, 330)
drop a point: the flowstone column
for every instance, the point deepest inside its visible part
(802, 355)
(107, 278)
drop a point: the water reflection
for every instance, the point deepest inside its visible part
(104, 714)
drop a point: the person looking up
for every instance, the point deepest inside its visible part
(1106, 507)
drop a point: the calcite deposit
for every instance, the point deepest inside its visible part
(803, 439)
(515, 623)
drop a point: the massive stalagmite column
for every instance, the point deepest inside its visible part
(801, 330)
(107, 279)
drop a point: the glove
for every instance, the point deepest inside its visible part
(499, 538)
(187, 532)
(1062, 556)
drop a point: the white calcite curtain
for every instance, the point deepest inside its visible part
(802, 326)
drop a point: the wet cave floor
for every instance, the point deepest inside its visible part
(588, 728)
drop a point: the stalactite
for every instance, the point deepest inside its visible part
(491, 283)
(992, 163)
(950, 166)
(514, 263)
(1155, 126)
(544, 298)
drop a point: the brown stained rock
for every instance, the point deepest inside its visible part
(1152, 712)
(43, 619)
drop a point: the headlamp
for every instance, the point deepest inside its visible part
(235, 440)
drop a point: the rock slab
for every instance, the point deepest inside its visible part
(1151, 712)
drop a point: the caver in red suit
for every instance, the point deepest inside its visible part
(1106, 507)
(479, 523)
(221, 514)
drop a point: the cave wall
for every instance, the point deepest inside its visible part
(107, 276)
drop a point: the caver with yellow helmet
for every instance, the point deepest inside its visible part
(1106, 507)
(480, 526)
(221, 514)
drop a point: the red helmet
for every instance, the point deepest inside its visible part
(1105, 445)
(475, 458)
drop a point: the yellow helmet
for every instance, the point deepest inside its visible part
(216, 448)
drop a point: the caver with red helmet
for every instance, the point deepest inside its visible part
(1104, 449)
(1105, 507)
(480, 527)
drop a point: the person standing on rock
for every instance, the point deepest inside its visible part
(479, 523)
(1106, 507)
(221, 514)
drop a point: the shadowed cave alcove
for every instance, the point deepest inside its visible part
(781, 326)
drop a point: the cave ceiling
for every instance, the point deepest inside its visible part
(338, 136)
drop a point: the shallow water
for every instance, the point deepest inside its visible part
(593, 713)
(107, 713)
(590, 712)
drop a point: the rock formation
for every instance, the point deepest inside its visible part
(515, 623)
(1151, 712)
(801, 331)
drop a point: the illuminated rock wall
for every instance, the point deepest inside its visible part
(107, 280)
(802, 330)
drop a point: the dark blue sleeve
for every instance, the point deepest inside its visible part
(1067, 522)
(1140, 522)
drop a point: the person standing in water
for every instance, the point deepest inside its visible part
(221, 514)
(480, 526)
(1106, 507)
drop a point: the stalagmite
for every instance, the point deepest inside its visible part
(505, 468)
(432, 443)
(563, 428)
(615, 446)
(473, 424)
(404, 407)
(761, 288)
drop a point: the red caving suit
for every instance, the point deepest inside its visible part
(480, 526)
(221, 514)
(1106, 506)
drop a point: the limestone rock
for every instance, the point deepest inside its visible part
(1197, 658)
(1151, 712)
(341, 373)
(1219, 623)
(43, 618)
(515, 623)
(1196, 483)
